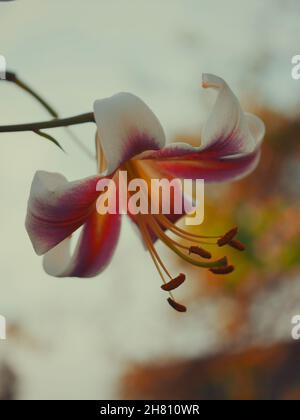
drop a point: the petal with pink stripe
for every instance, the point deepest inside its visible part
(94, 249)
(197, 166)
(56, 208)
(230, 148)
(126, 127)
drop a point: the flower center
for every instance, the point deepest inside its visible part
(188, 246)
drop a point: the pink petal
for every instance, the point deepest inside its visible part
(93, 252)
(200, 166)
(56, 208)
(230, 147)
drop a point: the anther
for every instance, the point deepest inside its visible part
(200, 251)
(177, 306)
(222, 262)
(228, 237)
(174, 284)
(237, 245)
(222, 270)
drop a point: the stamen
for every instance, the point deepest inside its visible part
(172, 245)
(174, 284)
(222, 270)
(237, 245)
(177, 306)
(156, 258)
(175, 229)
(181, 243)
(228, 237)
(200, 251)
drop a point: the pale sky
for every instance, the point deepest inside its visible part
(73, 52)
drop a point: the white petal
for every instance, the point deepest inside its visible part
(228, 126)
(257, 128)
(127, 127)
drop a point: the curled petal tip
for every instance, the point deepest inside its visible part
(211, 81)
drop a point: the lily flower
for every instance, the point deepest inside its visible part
(130, 138)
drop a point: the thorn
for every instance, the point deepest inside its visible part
(48, 137)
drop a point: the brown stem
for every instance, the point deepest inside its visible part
(58, 122)
(12, 77)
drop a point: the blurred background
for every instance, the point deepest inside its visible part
(114, 336)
